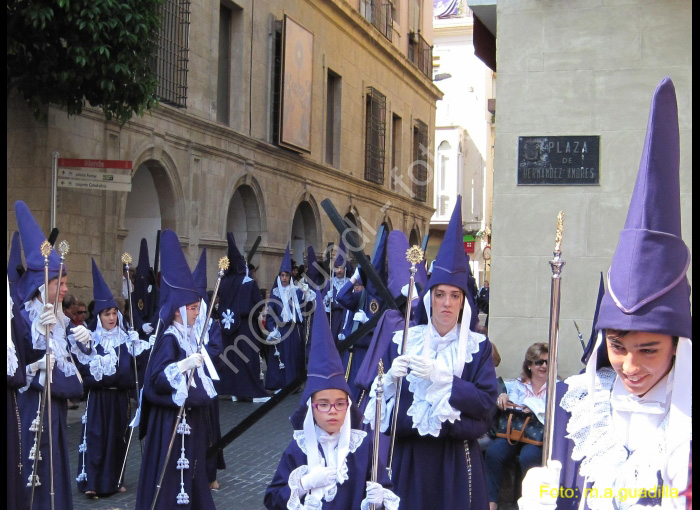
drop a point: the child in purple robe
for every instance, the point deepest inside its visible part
(623, 428)
(328, 464)
(109, 375)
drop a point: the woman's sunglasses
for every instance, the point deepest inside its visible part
(539, 362)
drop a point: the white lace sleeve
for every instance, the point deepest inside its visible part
(391, 501)
(11, 359)
(431, 403)
(139, 346)
(296, 491)
(179, 383)
(101, 366)
(82, 357)
(388, 400)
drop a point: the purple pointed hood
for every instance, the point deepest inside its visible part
(286, 265)
(647, 285)
(177, 285)
(236, 259)
(312, 271)
(199, 275)
(450, 266)
(32, 238)
(100, 291)
(325, 369)
(13, 263)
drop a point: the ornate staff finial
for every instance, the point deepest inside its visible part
(414, 254)
(560, 230)
(126, 258)
(380, 372)
(223, 264)
(63, 249)
(45, 249)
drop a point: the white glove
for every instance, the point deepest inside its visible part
(41, 364)
(375, 493)
(360, 316)
(47, 316)
(152, 340)
(274, 335)
(327, 300)
(303, 286)
(82, 335)
(541, 487)
(133, 336)
(147, 328)
(424, 368)
(356, 275)
(192, 361)
(399, 367)
(319, 477)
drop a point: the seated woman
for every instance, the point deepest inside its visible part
(529, 393)
(328, 463)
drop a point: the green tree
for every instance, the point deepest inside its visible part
(67, 52)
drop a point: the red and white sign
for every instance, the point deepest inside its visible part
(94, 163)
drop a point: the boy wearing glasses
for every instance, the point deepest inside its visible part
(328, 464)
(623, 427)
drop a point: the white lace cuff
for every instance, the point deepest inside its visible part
(103, 365)
(391, 502)
(179, 383)
(83, 358)
(296, 491)
(38, 338)
(387, 408)
(431, 403)
(11, 360)
(139, 346)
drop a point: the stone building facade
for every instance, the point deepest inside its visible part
(214, 163)
(571, 69)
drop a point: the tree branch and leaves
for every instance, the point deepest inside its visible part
(69, 52)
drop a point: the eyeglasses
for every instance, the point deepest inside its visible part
(81, 312)
(193, 308)
(539, 362)
(325, 407)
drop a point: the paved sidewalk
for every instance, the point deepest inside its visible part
(251, 459)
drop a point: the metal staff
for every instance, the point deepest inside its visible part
(414, 256)
(223, 266)
(557, 263)
(46, 394)
(126, 260)
(377, 423)
(580, 336)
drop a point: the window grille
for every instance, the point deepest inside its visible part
(420, 53)
(277, 83)
(419, 167)
(375, 131)
(172, 53)
(378, 12)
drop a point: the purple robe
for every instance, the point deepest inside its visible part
(215, 462)
(239, 367)
(447, 471)
(291, 349)
(105, 433)
(160, 420)
(16, 472)
(350, 493)
(62, 389)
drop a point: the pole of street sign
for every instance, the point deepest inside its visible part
(54, 190)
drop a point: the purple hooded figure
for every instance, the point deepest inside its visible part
(623, 426)
(108, 375)
(448, 397)
(174, 359)
(37, 317)
(287, 308)
(328, 464)
(338, 316)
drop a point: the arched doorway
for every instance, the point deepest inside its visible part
(244, 218)
(414, 237)
(304, 232)
(150, 206)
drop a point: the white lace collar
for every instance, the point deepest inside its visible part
(605, 462)
(356, 438)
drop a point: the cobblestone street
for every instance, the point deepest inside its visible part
(251, 459)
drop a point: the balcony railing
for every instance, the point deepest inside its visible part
(420, 53)
(378, 12)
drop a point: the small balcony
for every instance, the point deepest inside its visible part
(420, 53)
